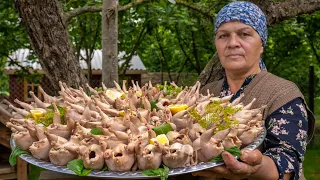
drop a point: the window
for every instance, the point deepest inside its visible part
(29, 86)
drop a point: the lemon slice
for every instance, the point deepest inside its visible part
(36, 114)
(114, 94)
(174, 108)
(162, 139)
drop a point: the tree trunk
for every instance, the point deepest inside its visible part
(212, 72)
(109, 42)
(49, 37)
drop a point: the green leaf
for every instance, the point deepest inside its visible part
(16, 152)
(105, 168)
(96, 131)
(77, 167)
(151, 172)
(153, 104)
(162, 129)
(233, 150)
(85, 172)
(162, 172)
(35, 172)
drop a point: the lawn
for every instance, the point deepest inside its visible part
(311, 164)
(312, 158)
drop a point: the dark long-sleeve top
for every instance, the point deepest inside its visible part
(286, 138)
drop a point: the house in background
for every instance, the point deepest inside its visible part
(19, 86)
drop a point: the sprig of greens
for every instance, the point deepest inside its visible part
(162, 172)
(216, 114)
(169, 90)
(48, 116)
(153, 105)
(77, 167)
(15, 153)
(233, 150)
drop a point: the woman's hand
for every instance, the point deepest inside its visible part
(249, 166)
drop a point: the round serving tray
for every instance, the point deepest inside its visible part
(134, 174)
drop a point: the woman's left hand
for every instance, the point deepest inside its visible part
(250, 163)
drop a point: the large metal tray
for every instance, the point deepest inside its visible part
(134, 174)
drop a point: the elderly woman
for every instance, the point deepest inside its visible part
(240, 37)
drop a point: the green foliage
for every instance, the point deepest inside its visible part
(12, 37)
(178, 40)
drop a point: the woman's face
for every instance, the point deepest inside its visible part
(239, 47)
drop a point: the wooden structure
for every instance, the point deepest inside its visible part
(7, 171)
(19, 86)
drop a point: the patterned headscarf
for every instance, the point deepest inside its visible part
(245, 12)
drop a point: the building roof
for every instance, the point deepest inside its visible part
(21, 56)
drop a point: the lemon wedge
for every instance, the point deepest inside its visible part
(112, 94)
(139, 93)
(121, 113)
(162, 139)
(174, 108)
(36, 114)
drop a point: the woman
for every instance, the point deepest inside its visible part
(240, 37)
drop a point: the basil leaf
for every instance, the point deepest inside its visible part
(162, 172)
(165, 173)
(105, 168)
(77, 167)
(151, 172)
(85, 172)
(16, 152)
(162, 129)
(233, 150)
(96, 131)
(34, 173)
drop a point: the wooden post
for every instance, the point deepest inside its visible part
(311, 97)
(22, 169)
(311, 88)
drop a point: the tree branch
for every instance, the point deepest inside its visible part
(134, 3)
(278, 11)
(86, 9)
(205, 12)
(76, 12)
(275, 11)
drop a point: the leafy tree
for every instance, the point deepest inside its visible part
(47, 25)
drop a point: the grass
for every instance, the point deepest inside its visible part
(311, 164)
(312, 158)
